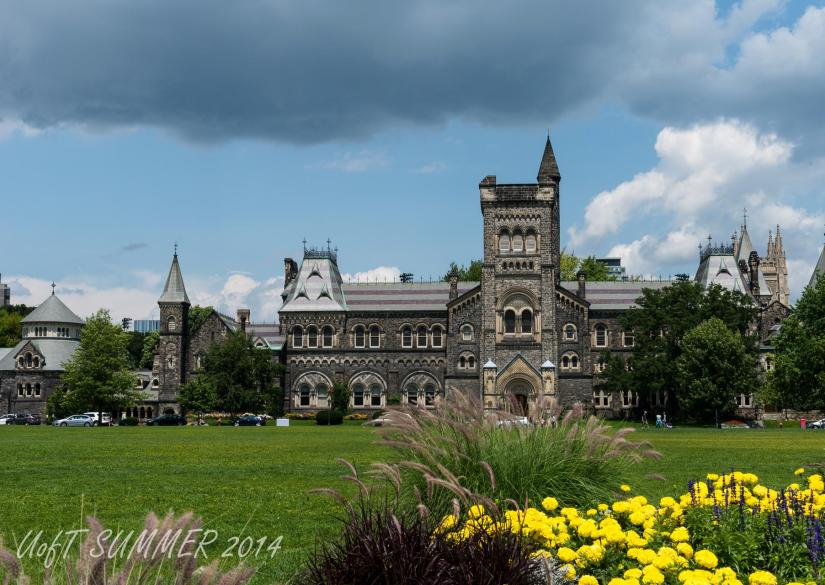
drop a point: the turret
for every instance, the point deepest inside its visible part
(549, 168)
(753, 269)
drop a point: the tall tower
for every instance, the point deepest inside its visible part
(174, 315)
(783, 289)
(520, 273)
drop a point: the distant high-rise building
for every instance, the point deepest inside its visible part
(614, 267)
(146, 325)
(5, 293)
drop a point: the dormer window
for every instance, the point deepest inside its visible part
(29, 360)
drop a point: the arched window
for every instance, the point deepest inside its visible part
(155, 383)
(601, 399)
(570, 361)
(518, 243)
(329, 332)
(600, 335)
(37, 389)
(422, 336)
(36, 362)
(462, 362)
(411, 394)
(360, 336)
(358, 395)
(375, 336)
(629, 398)
(303, 398)
(20, 390)
(21, 361)
(29, 360)
(504, 242)
(199, 361)
(298, 336)
(466, 332)
(438, 340)
(530, 243)
(406, 336)
(322, 392)
(509, 321)
(375, 395)
(28, 389)
(527, 321)
(171, 323)
(429, 395)
(312, 336)
(471, 363)
(569, 333)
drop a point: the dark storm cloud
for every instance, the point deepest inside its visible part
(318, 70)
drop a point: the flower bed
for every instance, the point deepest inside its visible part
(725, 530)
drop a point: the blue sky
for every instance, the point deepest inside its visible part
(127, 126)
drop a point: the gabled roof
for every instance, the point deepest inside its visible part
(819, 268)
(317, 287)
(52, 310)
(55, 353)
(549, 168)
(174, 291)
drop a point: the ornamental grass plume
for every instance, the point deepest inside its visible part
(578, 459)
(149, 566)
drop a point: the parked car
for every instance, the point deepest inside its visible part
(167, 420)
(76, 420)
(5, 418)
(248, 421)
(107, 419)
(24, 419)
(817, 424)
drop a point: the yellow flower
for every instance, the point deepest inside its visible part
(476, 511)
(762, 578)
(566, 555)
(799, 471)
(549, 504)
(705, 558)
(680, 534)
(624, 487)
(685, 550)
(588, 580)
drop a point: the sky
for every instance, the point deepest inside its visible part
(239, 130)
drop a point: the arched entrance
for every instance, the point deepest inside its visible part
(518, 395)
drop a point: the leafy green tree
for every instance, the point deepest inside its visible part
(150, 345)
(198, 395)
(568, 265)
(471, 273)
(197, 315)
(135, 348)
(339, 399)
(660, 322)
(715, 366)
(799, 374)
(98, 376)
(11, 332)
(61, 403)
(595, 270)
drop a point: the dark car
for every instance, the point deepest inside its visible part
(167, 420)
(248, 421)
(24, 419)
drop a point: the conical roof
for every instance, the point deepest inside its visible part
(174, 291)
(52, 310)
(745, 248)
(820, 268)
(549, 168)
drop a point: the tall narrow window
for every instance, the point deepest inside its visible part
(358, 395)
(466, 332)
(509, 321)
(412, 394)
(429, 395)
(312, 336)
(462, 362)
(37, 389)
(530, 244)
(360, 336)
(29, 360)
(328, 334)
(375, 336)
(526, 321)
(600, 336)
(504, 242)
(570, 332)
(406, 336)
(471, 363)
(422, 336)
(375, 395)
(518, 243)
(304, 395)
(437, 337)
(298, 336)
(322, 393)
(171, 324)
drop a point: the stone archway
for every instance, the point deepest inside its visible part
(519, 396)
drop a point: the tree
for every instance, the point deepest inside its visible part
(715, 366)
(660, 322)
(98, 377)
(799, 374)
(471, 273)
(137, 341)
(150, 345)
(198, 395)
(11, 332)
(244, 377)
(339, 400)
(197, 315)
(570, 266)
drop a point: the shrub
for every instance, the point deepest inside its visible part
(579, 458)
(128, 421)
(329, 417)
(357, 416)
(301, 415)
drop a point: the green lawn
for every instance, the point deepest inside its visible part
(254, 481)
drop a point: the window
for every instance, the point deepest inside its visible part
(422, 336)
(570, 361)
(303, 395)
(599, 367)
(466, 332)
(171, 324)
(527, 321)
(36, 362)
(328, 334)
(627, 339)
(437, 337)
(629, 399)
(569, 332)
(412, 394)
(360, 336)
(28, 389)
(745, 400)
(297, 336)
(518, 243)
(155, 383)
(20, 390)
(429, 395)
(600, 336)
(504, 242)
(601, 399)
(406, 336)
(375, 395)
(312, 336)
(471, 363)
(509, 321)
(358, 395)
(322, 392)
(37, 389)
(375, 336)
(768, 363)
(462, 362)
(530, 243)
(29, 360)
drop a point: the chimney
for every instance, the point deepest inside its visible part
(453, 276)
(290, 270)
(581, 278)
(243, 318)
(753, 265)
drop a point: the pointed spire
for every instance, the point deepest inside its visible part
(174, 291)
(549, 168)
(819, 269)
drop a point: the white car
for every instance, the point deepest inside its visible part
(107, 419)
(5, 418)
(76, 420)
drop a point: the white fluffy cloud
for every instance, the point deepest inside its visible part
(705, 176)
(356, 162)
(379, 274)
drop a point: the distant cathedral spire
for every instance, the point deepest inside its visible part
(549, 168)
(174, 291)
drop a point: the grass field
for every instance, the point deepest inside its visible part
(254, 481)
